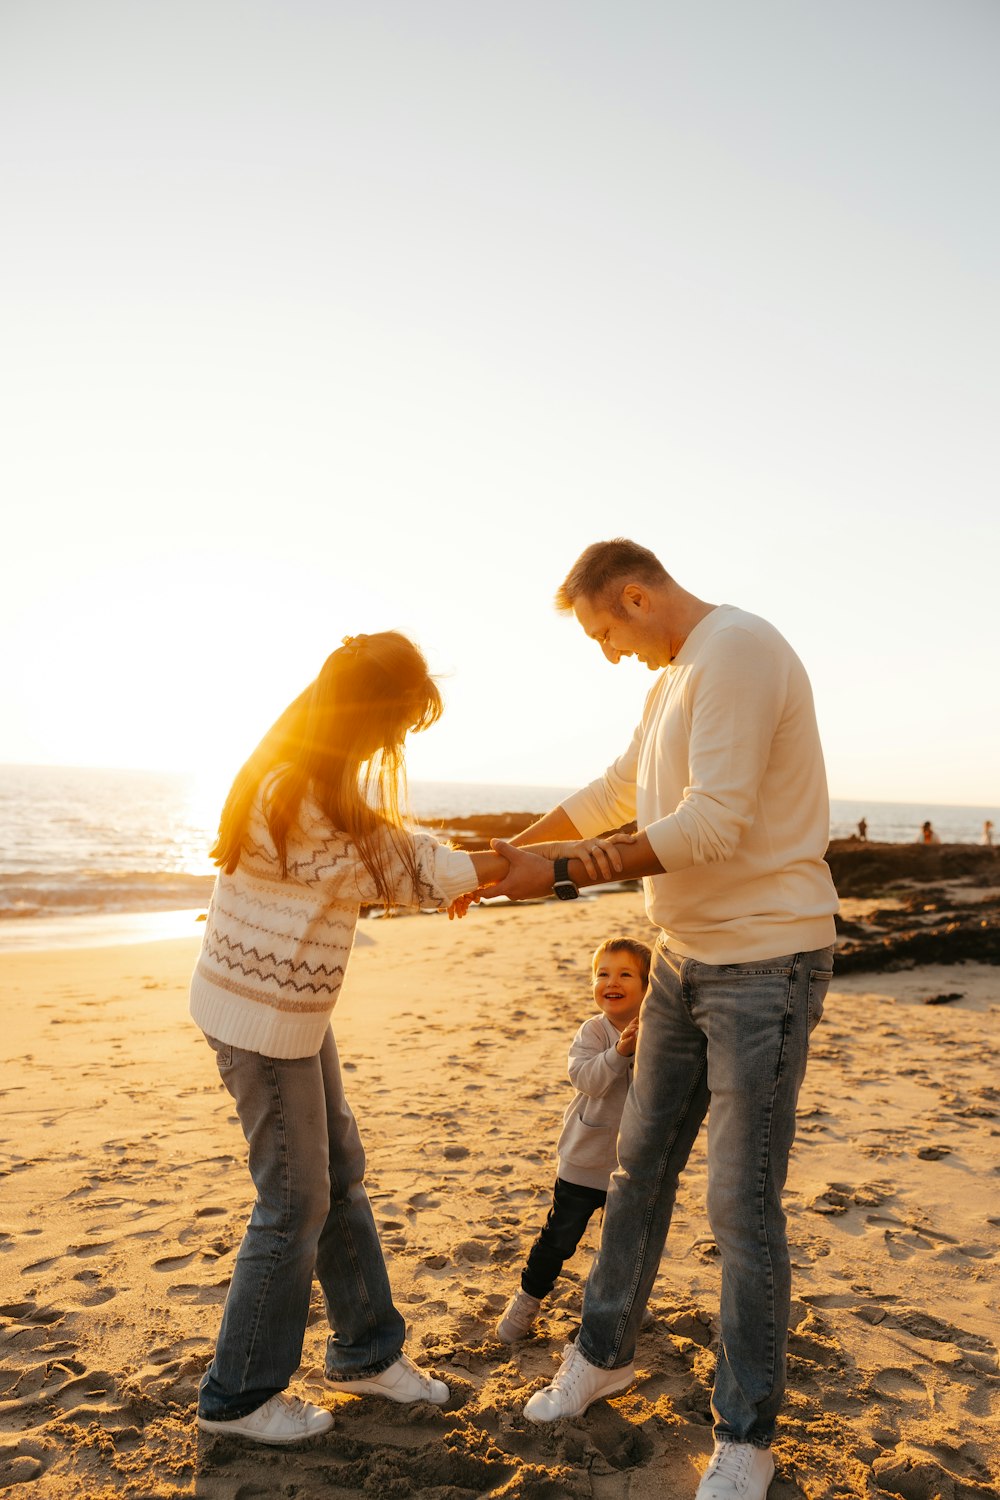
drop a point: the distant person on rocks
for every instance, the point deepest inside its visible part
(927, 834)
(863, 830)
(988, 832)
(311, 830)
(725, 778)
(600, 1069)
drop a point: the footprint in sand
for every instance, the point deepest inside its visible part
(23, 1462)
(198, 1296)
(173, 1262)
(838, 1197)
(913, 1475)
(421, 1200)
(899, 1385)
(95, 1292)
(30, 1313)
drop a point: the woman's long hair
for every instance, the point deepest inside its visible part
(342, 741)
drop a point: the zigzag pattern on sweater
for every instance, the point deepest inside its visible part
(330, 857)
(269, 966)
(263, 894)
(298, 1007)
(339, 927)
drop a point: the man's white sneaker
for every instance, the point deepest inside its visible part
(737, 1471)
(577, 1384)
(402, 1381)
(283, 1419)
(517, 1317)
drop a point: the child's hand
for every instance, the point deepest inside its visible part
(625, 1045)
(461, 904)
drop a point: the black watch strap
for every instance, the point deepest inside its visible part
(563, 886)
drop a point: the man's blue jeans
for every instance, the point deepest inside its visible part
(736, 1037)
(312, 1214)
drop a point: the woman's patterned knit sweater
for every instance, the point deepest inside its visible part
(275, 950)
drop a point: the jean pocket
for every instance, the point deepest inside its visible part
(223, 1052)
(819, 983)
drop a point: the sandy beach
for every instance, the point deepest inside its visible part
(125, 1195)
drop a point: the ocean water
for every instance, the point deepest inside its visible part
(106, 850)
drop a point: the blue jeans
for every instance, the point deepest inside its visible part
(312, 1214)
(735, 1036)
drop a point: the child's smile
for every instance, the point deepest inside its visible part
(619, 987)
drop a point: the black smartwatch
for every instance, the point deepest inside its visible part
(564, 887)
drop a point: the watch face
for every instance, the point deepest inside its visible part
(566, 890)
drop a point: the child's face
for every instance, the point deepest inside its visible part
(618, 987)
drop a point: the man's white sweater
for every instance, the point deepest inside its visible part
(725, 775)
(275, 949)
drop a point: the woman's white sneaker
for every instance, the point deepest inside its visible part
(576, 1385)
(402, 1381)
(737, 1471)
(283, 1419)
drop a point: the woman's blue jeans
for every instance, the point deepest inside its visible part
(311, 1215)
(730, 1040)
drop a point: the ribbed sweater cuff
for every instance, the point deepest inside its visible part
(454, 873)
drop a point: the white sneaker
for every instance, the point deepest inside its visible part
(400, 1382)
(283, 1419)
(737, 1471)
(577, 1384)
(517, 1317)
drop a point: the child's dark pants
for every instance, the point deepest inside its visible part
(572, 1209)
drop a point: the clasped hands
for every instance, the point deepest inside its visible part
(529, 869)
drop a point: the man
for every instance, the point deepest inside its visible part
(725, 778)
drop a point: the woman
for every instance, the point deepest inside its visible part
(311, 830)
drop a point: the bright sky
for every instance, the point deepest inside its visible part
(329, 317)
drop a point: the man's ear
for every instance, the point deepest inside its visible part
(635, 599)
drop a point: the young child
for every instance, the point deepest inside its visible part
(600, 1069)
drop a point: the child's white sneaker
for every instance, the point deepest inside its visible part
(517, 1317)
(737, 1471)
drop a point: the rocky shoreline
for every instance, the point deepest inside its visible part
(901, 904)
(907, 904)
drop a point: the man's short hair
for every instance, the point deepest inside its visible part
(603, 565)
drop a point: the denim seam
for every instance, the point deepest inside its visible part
(654, 1197)
(767, 1165)
(647, 1220)
(359, 1279)
(766, 1175)
(286, 1208)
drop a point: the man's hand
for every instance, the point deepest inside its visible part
(599, 857)
(625, 1045)
(529, 874)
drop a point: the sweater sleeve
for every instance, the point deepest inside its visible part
(332, 861)
(736, 699)
(594, 1067)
